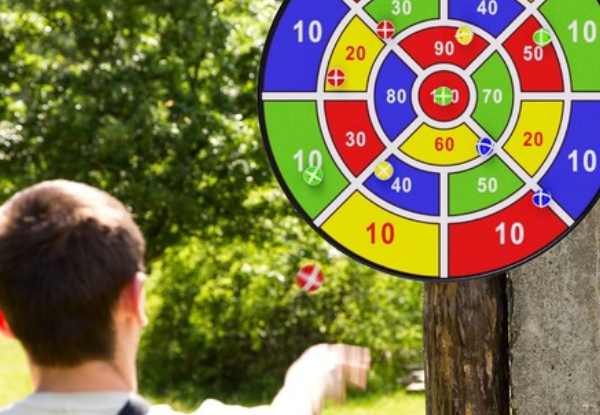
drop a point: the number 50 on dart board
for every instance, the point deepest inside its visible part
(435, 138)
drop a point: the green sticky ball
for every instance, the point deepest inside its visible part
(313, 176)
(542, 37)
(443, 96)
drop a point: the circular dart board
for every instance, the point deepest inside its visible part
(435, 138)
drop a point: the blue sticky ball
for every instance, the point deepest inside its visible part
(485, 146)
(542, 198)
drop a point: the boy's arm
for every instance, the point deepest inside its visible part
(323, 371)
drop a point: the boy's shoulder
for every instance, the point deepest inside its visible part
(90, 403)
(102, 403)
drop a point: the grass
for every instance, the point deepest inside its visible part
(14, 374)
(396, 403)
(372, 403)
(15, 384)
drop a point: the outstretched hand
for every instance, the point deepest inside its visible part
(324, 371)
(321, 372)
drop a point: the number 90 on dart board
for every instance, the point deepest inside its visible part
(435, 139)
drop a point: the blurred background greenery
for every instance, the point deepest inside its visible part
(155, 102)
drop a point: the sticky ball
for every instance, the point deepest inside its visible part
(384, 171)
(313, 176)
(309, 278)
(542, 199)
(336, 78)
(485, 147)
(443, 96)
(542, 37)
(464, 36)
(385, 30)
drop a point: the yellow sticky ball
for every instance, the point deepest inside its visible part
(384, 171)
(464, 35)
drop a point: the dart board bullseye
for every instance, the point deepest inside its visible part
(435, 139)
(444, 96)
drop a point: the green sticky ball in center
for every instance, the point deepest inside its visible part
(443, 96)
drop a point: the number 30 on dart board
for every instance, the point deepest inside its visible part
(435, 138)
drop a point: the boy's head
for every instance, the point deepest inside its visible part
(67, 251)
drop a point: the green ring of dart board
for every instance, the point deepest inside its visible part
(335, 242)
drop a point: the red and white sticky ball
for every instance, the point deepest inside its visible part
(309, 278)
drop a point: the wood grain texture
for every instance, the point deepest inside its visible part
(466, 347)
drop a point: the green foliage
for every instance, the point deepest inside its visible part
(232, 317)
(15, 382)
(154, 101)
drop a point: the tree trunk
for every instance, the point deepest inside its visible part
(466, 347)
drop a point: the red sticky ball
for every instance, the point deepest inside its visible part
(309, 278)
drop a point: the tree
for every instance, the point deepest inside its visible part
(466, 347)
(154, 101)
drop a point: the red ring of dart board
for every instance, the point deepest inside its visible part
(435, 139)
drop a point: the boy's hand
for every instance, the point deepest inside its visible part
(325, 370)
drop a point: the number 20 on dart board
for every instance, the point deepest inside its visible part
(435, 138)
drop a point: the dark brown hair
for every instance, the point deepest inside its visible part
(67, 250)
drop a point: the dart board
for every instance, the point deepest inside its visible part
(435, 138)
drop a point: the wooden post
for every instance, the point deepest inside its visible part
(466, 347)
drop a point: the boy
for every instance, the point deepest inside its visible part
(72, 292)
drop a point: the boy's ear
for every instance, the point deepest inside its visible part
(5, 328)
(133, 298)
